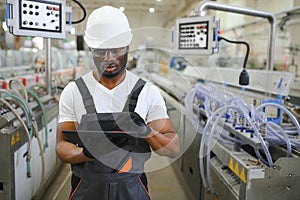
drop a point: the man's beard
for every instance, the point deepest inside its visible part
(120, 61)
(113, 74)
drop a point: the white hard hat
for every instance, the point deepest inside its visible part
(107, 27)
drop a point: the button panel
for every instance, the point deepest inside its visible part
(41, 16)
(196, 35)
(193, 35)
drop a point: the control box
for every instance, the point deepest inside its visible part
(273, 114)
(40, 18)
(197, 35)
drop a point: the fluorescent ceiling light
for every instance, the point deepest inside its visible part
(151, 10)
(122, 8)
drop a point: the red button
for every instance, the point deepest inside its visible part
(56, 8)
(49, 7)
(37, 78)
(23, 80)
(4, 84)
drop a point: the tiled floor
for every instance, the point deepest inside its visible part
(163, 185)
(60, 188)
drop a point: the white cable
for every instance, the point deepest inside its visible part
(21, 85)
(22, 123)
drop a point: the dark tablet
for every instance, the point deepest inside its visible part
(101, 143)
(72, 136)
(75, 138)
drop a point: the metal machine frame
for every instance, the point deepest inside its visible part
(13, 144)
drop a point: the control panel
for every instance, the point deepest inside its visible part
(197, 35)
(37, 18)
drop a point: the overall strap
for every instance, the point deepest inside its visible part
(86, 96)
(133, 96)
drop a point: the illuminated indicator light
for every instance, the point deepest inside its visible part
(49, 7)
(56, 8)
(200, 27)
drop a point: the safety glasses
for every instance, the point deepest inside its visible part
(101, 53)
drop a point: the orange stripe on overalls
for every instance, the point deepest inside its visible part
(127, 166)
(71, 196)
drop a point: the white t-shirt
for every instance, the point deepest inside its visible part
(150, 105)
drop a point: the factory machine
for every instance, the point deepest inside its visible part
(28, 123)
(28, 107)
(238, 131)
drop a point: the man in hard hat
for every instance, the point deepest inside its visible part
(100, 170)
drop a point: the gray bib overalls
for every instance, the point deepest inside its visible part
(124, 177)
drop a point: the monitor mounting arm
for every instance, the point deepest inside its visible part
(247, 11)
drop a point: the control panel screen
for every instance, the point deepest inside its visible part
(193, 35)
(40, 16)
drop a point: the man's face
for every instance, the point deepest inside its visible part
(110, 62)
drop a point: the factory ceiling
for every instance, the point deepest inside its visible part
(168, 9)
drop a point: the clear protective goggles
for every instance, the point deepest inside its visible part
(116, 52)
